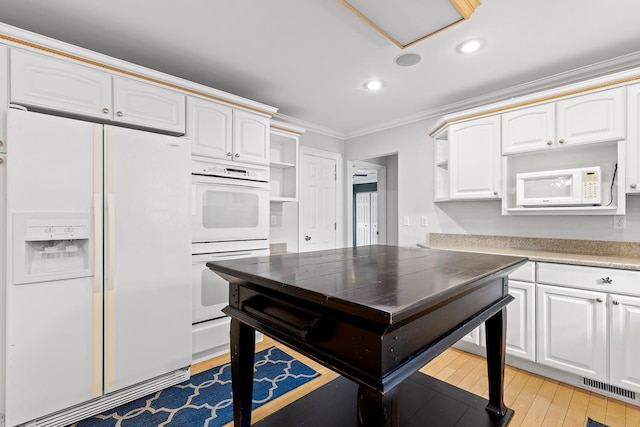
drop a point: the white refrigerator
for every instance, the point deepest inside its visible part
(98, 292)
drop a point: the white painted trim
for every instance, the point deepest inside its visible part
(312, 127)
(340, 237)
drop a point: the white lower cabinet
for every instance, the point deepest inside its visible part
(572, 326)
(625, 342)
(521, 329)
(589, 322)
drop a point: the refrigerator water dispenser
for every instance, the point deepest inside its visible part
(51, 246)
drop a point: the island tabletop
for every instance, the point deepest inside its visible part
(374, 314)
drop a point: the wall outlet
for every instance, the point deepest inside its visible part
(619, 221)
(424, 221)
(406, 220)
(274, 220)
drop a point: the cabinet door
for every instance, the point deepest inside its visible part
(250, 138)
(53, 84)
(528, 129)
(595, 117)
(633, 141)
(148, 106)
(474, 162)
(572, 325)
(625, 345)
(521, 330)
(209, 127)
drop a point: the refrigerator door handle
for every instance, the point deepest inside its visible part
(110, 266)
(97, 261)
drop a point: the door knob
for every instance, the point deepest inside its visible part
(307, 238)
(634, 186)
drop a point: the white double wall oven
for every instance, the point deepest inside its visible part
(230, 213)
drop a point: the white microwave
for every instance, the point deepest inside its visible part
(564, 187)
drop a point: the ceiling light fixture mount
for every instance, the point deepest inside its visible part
(407, 22)
(373, 85)
(470, 46)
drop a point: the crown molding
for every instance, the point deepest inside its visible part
(311, 127)
(599, 69)
(23, 39)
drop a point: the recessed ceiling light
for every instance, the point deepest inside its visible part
(469, 46)
(373, 85)
(408, 59)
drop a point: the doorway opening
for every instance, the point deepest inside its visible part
(372, 199)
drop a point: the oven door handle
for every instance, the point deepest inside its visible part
(228, 182)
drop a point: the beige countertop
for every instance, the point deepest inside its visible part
(594, 253)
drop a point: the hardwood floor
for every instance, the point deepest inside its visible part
(537, 401)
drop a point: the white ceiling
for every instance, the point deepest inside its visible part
(310, 58)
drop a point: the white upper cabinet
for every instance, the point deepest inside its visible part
(46, 83)
(41, 81)
(528, 129)
(474, 159)
(222, 132)
(210, 128)
(147, 105)
(633, 141)
(250, 138)
(594, 117)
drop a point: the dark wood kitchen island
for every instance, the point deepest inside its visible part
(375, 315)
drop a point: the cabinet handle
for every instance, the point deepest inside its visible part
(307, 238)
(561, 141)
(105, 110)
(614, 302)
(634, 186)
(599, 299)
(229, 154)
(549, 142)
(236, 155)
(607, 280)
(119, 114)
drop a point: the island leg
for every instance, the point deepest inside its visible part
(496, 327)
(243, 344)
(378, 410)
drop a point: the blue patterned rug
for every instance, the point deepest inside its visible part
(205, 400)
(593, 423)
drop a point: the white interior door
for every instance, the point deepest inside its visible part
(319, 189)
(363, 219)
(374, 218)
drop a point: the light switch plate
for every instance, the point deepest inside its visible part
(424, 221)
(406, 220)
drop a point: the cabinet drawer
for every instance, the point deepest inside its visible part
(591, 278)
(211, 336)
(525, 273)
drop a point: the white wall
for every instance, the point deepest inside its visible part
(414, 175)
(415, 198)
(285, 214)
